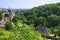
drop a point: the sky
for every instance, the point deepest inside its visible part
(24, 3)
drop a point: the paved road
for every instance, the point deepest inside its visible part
(2, 24)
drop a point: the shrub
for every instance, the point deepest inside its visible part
(56, 30)
(8, 25)
(4, 35)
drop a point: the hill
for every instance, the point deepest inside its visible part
(47, 15)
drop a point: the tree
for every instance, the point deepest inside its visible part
(53, 20)
(8, 25)
(1, 16)
(41, 20)
(56, 30)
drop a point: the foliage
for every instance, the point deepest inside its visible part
(4, 35)
(26, 33)
(8, 25)
(41, 20)
(1, 16)
(48, 13)
(53, 20)
(56, 30)
(20, 32)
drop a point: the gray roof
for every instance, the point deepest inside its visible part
(42, 28)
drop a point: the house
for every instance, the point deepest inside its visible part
(7, 13)
(44, 30)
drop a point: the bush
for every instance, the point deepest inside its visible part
(56, 30)
(1, 15)
(8, 25)
(4, 35)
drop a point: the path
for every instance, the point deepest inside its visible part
(2, 24)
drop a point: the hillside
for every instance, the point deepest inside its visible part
(32, 24)
(43, 15)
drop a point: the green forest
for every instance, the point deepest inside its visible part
(23, 25)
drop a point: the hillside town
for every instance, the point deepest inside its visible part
(7, 15)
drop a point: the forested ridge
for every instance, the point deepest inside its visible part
(48, 15)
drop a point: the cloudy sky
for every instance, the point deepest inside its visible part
(24, 3)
